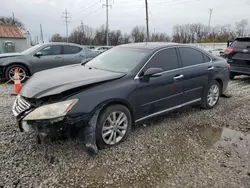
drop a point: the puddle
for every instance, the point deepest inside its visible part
(225, 137)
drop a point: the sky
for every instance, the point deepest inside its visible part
(123, 15)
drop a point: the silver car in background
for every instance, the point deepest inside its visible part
(41, 57)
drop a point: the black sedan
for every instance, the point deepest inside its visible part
(101, 100)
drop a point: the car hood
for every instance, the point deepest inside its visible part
(4, 55)
(58, 80)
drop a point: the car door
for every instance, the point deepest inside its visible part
(73, 54)
(159, 94)
(197, 68)
(50, 57)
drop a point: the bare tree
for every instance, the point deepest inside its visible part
(11, 21)
(182, 33)
(115, 37)
(241, 28)
(159, 37)
(126, 39)
(89, 35)
(56, 38)
(77, 36)
(100, 36)
(138, 34)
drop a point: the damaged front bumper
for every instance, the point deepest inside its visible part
(82, 127)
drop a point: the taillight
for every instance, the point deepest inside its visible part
(229, 50)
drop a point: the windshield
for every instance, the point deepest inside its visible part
(32, 49)
(118, 59)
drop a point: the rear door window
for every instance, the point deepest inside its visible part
(190, 56)
(206, 58)
(166, 59)
(67, 49)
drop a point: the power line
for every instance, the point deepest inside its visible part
(91, 12)
(66, 17)
(107, 21)
(158, 4)
(79, 8)
(88, 7)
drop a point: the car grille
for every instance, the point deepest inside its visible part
(20, 105)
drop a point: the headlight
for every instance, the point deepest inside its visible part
(51, 111)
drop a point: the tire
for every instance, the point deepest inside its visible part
(214, 99)
(23, 70)
(104, 122)
(231, 76)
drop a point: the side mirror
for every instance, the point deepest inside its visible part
(38, 54)
(153, 72)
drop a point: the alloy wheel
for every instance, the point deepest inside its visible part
(213, 95)
(22, 73)
(114, 128)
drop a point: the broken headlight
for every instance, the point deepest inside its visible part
(51, 111)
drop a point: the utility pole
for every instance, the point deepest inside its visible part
(13, 18)
(146, 4)
(41, 32)
(82, 25)
(66, 17)
(210, 16)
(107, 21)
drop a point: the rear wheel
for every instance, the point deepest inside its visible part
(211, 97)
(113, 126)
(10, 72)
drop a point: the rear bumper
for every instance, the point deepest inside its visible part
(240, 69)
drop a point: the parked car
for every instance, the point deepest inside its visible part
(102, 99)
(42, 57)
(218, 51)
(91, 47)
(102, 49)
(238, 56)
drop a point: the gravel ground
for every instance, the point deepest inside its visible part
(191, 148)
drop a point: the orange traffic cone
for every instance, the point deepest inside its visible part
(17, 82)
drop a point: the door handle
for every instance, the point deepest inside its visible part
(178, 77)
(58, 57)
(210, 68)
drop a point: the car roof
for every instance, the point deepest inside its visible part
(61, 43)
(148, 45)
(153, 46)
(243, 38)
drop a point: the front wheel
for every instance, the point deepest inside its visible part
(212, 96)
(113, 126)
(10, 72)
